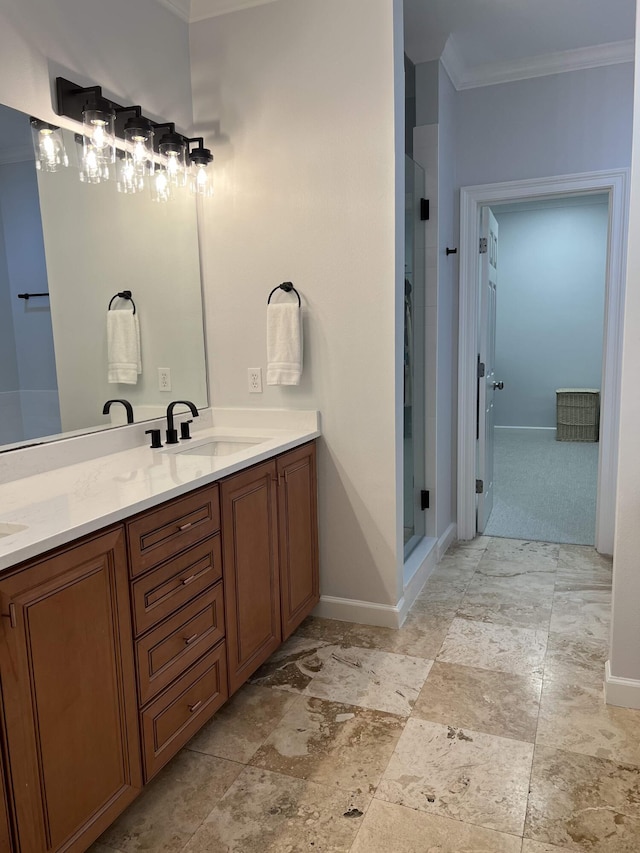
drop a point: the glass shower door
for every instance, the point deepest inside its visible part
(414, 374)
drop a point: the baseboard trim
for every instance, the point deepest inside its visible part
(528, 428)
(447, 539)
(426, 558)
(624, 692)
(362, 612)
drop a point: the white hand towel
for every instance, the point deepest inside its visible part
(123, 347)
(284, 343)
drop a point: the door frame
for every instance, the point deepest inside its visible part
(472, 199)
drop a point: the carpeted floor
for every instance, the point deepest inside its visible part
(544, 489)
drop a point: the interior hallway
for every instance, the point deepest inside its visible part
(481, 722)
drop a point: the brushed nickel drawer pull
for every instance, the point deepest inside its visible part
(185, 581)
(189, 640)
(194, 708)
(185, 526)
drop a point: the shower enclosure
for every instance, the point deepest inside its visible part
(414, 356)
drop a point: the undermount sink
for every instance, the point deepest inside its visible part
(8, 528)
(222, 446)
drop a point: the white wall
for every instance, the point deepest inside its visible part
(625, 632)
(550, 306)
(308, 146)
(579, 121)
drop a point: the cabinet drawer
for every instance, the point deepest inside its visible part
(165, 531)
(159, 593)
(177, 714)
(167, 651)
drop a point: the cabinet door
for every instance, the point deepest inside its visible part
(6, 844)
(298, 535)
(68, 684)
(250, 570)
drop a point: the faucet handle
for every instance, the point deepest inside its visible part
(155, 437)
(184, 429)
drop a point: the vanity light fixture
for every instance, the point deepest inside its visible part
(48, 146)
(200, 158)
(164, 159)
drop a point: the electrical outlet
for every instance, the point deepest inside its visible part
(255, 380)
(164, 379)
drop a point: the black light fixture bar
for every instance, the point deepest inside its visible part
(200, 155)
(73, 99)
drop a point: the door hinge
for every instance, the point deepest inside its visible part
(424, 209)
(483, 246)
(479, 487)
(480, 369)
(424, 499)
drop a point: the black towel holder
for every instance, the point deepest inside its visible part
(124, 294)
(287, 286)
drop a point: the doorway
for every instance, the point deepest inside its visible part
(613, 185)
(548, 360)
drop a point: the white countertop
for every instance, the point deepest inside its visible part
(62, 504)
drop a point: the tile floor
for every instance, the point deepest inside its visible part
(479, 727)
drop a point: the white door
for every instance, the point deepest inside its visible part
(487, 384)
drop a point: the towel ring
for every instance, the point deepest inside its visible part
(124, 294)
(287, 286)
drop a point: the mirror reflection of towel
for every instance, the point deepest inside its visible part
(123, 347)
(284, 343)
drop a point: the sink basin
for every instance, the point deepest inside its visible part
(222, 446)
(8, 528)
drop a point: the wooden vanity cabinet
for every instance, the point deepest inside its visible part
(68, 693)
(270, 534)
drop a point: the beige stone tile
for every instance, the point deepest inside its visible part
(582, 614)
(525, 600)
(574, 717)
(328, 630)
(480, 543)
(389, 828)
(500, 647)
(461, 774)
(294, 664)
(102, 848)
(583, 803)
(575, 660)
(522, 550)
(536, 847)
(241, 726)
(173, 805)
(421, 635)
(265, 812)
(443, 589)
(579, 564)
(370, 678)
(496, 703)
(332, 743)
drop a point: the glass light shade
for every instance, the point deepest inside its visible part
(48, 146)
(99, 144)
(200, 181)
(173, 150)
(127, 179)
(160, 185)
(92, 171)
(139, 149)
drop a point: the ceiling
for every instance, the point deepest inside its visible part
(485, 38)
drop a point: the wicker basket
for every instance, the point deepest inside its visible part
(578, 414)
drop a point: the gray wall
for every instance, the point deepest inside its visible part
(550, 307)
(579, 121)
(8, 361)
(426, 94)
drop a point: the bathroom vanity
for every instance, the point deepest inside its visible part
(117, 646)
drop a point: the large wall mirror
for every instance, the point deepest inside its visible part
(80, 244)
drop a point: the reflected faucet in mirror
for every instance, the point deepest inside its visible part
(172, 432)
(125, 403)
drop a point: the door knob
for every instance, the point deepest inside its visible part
(498, 386)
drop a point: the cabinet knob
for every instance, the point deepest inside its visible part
(185, 526)
(185, 581)
(189, 640)
(193, 708)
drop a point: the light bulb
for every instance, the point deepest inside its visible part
(48, 146)
(98, 136)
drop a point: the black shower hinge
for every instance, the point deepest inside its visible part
(424, 209)
(424, 499)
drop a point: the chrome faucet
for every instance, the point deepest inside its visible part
(172, 433)
(125, 403)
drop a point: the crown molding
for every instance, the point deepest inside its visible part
(202, 9)
(491, 74)
(16, 154)
(181, 8)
